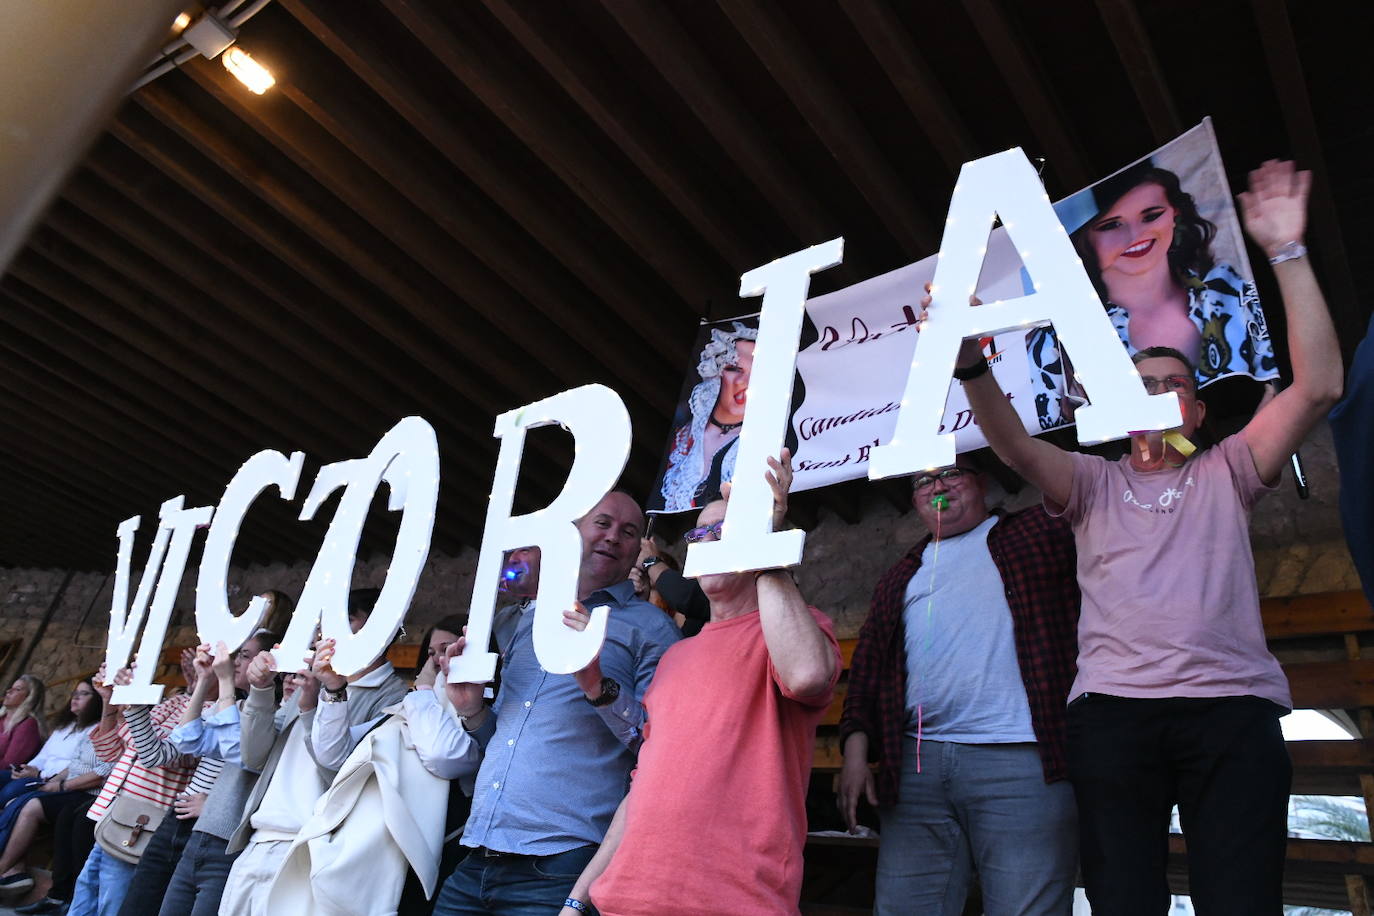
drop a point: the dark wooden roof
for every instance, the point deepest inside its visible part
(451, 209)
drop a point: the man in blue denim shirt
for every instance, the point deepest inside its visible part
(558, 748)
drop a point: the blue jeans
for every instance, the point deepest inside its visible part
(512, 885)
(155, 867)
(103, 883)
(977, 808)
(198, 882)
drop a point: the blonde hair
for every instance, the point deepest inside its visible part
(32, 702)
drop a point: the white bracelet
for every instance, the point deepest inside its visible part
(1289, 251)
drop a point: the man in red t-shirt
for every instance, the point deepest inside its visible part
(715, 820)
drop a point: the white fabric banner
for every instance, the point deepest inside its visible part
(1165, 222)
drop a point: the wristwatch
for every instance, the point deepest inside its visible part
(610, 690)
(334, 696)
(650, 561)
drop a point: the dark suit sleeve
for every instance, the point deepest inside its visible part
(685, 596)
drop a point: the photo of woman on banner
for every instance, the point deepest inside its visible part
(702, 447)
(1167, 275)
(1149, 253)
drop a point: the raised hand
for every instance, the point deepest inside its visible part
(1274, 210)
(223, 665)
(188, 667)
(648, 547)
(322, 666)
(640, 579)
(780, 480)
(466, 699)
(201, 663)
(261, 670)
(101, 687)
(427, 675)
(969, 351)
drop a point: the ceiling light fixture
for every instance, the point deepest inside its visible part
(252, 74)
(213, 34)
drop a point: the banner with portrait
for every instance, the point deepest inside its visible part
(1160, 240)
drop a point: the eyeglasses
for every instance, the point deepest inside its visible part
(1182, 384)
(704, 533)
(947, 475)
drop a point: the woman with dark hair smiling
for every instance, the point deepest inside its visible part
(1149, 254)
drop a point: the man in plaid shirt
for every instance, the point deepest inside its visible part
(957, 689)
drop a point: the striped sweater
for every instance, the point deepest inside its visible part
(159, 784)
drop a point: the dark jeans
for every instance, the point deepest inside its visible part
(510, 885)
(156, 865)
(73, 837)
(198, 882)
(1221, 760)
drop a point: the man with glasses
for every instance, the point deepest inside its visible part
(557, 748)
(957, 690)
(715, 821)
(1177, 698)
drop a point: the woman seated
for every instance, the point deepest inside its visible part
(70, 729)
(65, 774)
(21, 733)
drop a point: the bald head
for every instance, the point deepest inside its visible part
(610, 541)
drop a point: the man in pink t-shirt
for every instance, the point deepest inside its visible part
(1177, 698)
(715, 820)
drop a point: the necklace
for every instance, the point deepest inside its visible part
(724, 427)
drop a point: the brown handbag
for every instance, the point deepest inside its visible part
(127, 827)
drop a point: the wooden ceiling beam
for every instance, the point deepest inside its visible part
(930, 106)
(406, 287)
(1025, 84)
(1300, 123)
(570, 154)
(638, 304)
(598, 96)
(783, 52)
(278, 303)
(148, 321)
(1142, 67)
(44, 491)
(503, 301)
(273, 359)
(661, 39)
(32, 542)
(418, 347)
(58, 448)
(117, 369)
(47, 319)
(89, 293)
(126, 436)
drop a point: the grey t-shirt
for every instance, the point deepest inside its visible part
(963, 680)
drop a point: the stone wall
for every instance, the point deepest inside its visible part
(1299, 549)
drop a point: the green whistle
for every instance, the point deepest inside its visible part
(940, 503)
